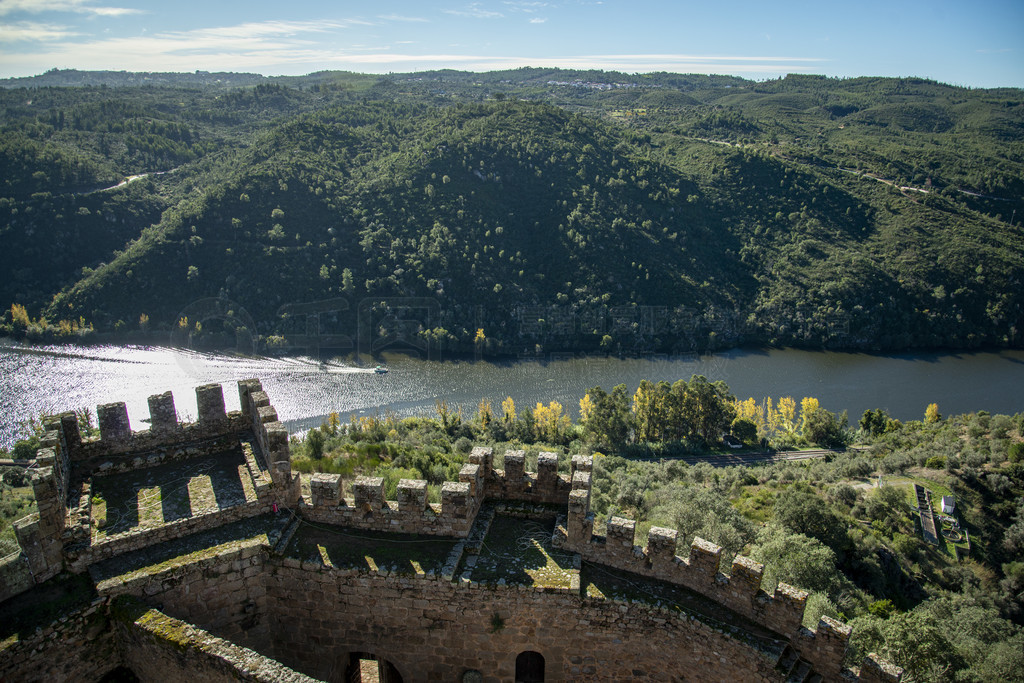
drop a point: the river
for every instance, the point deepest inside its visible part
(37, 379)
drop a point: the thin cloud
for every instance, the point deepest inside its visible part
(474, 11)
(79, 6)
(528, 7)
(398, 17)
(30, 31)
(538, 20)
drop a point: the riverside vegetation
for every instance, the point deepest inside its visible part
(571, 210)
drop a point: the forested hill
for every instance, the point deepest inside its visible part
(574, 210)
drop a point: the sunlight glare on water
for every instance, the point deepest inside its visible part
(49, 379)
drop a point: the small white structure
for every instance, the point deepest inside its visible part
(947, 505)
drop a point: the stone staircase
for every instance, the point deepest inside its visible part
(796, 670)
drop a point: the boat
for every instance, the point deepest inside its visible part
(380, 370)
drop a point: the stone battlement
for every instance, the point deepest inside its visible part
(64, 534)
(460, 501)
(781, 611)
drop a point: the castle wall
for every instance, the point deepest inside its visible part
(161, 649)
(78, 647)
(15, 575)
(222, 593)
(434, 630)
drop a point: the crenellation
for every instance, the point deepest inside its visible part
(661, 546)
(266, 414)
(547, 471)
(515, 468)
(745, 577)
(705, 558)
(246, 388)
(163, 418)
(784, 611)
(874, 669)
(470, 474)
(455, 499)
(484, 457)
(619, 538)
(368, 493)
(325, 488)
(71, 433)
(580, 463)
(113, 420)
(210, 404)
(827, 647)
(412, 497)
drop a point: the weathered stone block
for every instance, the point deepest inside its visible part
(210, 404)
(246, 388)
(547, 470)
(705, 557)
(580, 463)
(874, 669)
(515, 467)
(325, 489)
(470, 474)
(69, 427)
(581, 481)
(746, 576)
(163, 418)
(113, 419)
(661, 544)
(266, 414)
(483, 456)
(620, 534)
(455, 499)
(368, 493)
(412, 496)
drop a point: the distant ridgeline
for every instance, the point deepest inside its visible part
(524, 211)
(210, 558)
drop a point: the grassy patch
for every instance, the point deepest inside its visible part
(519, 551)
(265, 528)
(163, 494)
(354, 548)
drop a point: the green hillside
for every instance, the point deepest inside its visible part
(574, 210)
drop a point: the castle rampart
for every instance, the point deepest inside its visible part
(63, 533)
(314, 614)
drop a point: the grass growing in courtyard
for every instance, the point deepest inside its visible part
(348, 548)
(519, 551)
(163, 494)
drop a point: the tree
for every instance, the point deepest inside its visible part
(804, 512)
(795, 559)
(931, 413)
(610, 419)
(707, 407)
(825, 429)
(315, 443)
(744, 430)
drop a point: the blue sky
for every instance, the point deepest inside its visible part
(977, 43)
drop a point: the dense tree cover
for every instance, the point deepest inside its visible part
(583, 211)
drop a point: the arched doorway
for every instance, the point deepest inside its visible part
(364, 667)
(530, 667)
